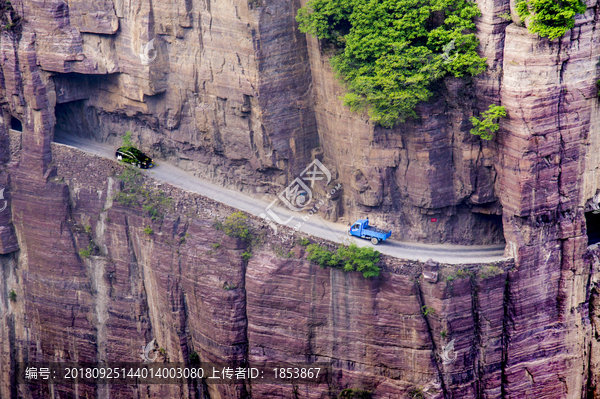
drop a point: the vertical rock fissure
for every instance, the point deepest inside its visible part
(10, 324)
(505, 336)
(7, 262)
(421, 300)
(588, 384)
(477, 371)
(591, 294)
(561, 299)
(245, 361)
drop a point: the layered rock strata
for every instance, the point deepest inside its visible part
(237, 95)
(186, 285)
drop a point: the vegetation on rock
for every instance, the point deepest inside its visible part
(487, 125)
(229, 287)
(349, 258)
(390, 52)
(550, 18)
(10, 20)
(354, 394)
(194, 358)
(416, 393)
(427, 310)
(12, 296)
(489, 271)
(85, 253)
(236, 225)
(246, 255)
(134, 192)
(460, 274)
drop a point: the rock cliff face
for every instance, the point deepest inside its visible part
(178, 286)
(237, 95)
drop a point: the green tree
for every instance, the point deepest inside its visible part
(322, 256)
(349, 258)
(487, 125)
(390, 52)
(359, 259)
(550, 18)
(236, 225)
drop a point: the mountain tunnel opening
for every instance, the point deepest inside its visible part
(16, 124)
(71, 119)
(592, 222)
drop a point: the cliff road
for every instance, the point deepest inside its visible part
(315, 225)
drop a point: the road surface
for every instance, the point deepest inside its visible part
(315, 225)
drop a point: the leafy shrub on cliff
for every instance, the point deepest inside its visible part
(488, 125)
(550, 18)
(85, 253)
(134, 192)
(354, 394)
(489, 271)
(390, 52)
(194, 358)
(156, 204)
(427, 310)
(246, 255)
(460, 274)
(350, 258)
(9, 18)
(281, 252)
(131, 176)
(416, 393)
(236, 225)
(12, 296)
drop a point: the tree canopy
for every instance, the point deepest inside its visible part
(390, 52)
(349, 258)
(550, 18)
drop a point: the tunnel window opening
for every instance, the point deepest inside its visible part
(16, 124)
(592, 221)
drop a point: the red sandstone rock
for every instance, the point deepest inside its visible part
(238, 95)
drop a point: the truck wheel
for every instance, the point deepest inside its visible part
(349, 234)
(374, 241)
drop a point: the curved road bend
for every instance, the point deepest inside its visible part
(315, 226)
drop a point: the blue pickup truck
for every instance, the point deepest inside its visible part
(361, 229)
